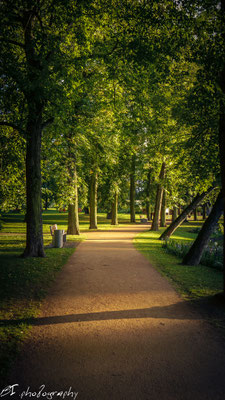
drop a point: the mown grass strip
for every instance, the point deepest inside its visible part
(198, 284)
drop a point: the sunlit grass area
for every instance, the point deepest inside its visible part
(192, 281)
(14, 222)
(198, 284)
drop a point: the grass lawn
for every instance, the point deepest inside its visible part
(198, 284)
(24, 282)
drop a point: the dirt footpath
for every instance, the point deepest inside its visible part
(113, 329)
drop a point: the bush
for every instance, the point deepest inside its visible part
(212, 256)
(177, 247)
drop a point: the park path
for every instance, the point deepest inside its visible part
(112, 328)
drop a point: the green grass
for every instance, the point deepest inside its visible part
(194, 281)
(24, 283)
(13, 222)
(198, 284)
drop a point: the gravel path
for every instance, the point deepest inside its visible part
(112, 328)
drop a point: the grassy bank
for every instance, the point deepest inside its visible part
(198, 284)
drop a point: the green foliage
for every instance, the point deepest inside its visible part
(212, 256)
(179, 248)
(12, 170)
(136, 78)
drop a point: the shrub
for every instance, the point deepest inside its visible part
(177, 247)
(212, 256)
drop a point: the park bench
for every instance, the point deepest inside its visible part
(53, 228)
(143, 219)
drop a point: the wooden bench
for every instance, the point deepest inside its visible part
(143, 219)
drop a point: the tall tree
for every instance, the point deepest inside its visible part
(132, 189)
(34, 56)
(159, 197)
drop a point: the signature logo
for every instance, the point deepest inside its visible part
(11, 390)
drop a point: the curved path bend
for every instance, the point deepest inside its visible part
(112, 328)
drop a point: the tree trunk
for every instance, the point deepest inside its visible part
(196, 215)
(46, 201)
(204, 211)
(147, 204)
(175, 213)
(158, 202)
(194, 255)
(222, 130)
(175, 224)
(93, 201)
(163, 210)
(179, 210)
(115, 209)
(132, 190)
(109, 215)
(73, 215)
(34, 242)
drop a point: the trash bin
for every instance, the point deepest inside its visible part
(58, 238)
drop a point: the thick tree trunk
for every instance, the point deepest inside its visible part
(73, 220)
(132, 190)
(163, 210)
(175, 213)
(93, 201)
(115, 209)
(73, 215)
(34, 243)
(158, 202)
(195, 214)
(194, 255)
(222, 130)
(148, 210)
(174, 225)
(148, 188)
